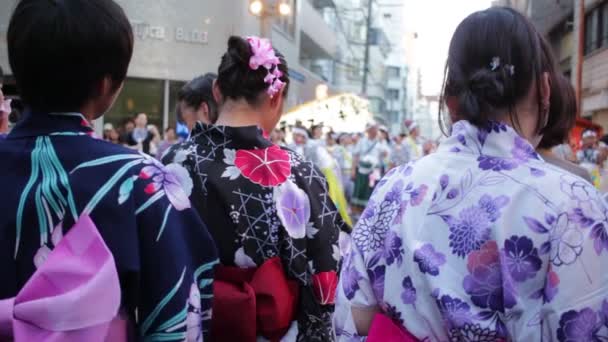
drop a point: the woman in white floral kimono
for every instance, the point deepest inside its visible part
(483, 240)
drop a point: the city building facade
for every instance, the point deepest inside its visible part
(560, 22)
(177, 41)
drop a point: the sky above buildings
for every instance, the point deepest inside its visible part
(434, 21)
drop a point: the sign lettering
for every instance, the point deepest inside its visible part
(144, 31)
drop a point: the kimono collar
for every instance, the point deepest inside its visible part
(498, 147)
(247, 137)
(41, 124)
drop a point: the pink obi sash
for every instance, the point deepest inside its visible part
(73, 296)
(384, 329)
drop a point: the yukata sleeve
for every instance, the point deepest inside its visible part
(177, 257)
(355, 290)
(575, 295)
(323, 255)
(375, 252)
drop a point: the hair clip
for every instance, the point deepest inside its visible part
(263, 55)
(495, 64)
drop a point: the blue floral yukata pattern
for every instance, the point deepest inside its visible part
(482, 241)
(54, 170)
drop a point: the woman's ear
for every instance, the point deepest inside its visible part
(545, 90)
(202, 114)
(277, 99)
(452, 103)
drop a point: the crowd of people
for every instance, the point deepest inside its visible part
(136, 134)
(335, 154)
(236, 234)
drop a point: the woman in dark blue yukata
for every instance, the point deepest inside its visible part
(70, 59)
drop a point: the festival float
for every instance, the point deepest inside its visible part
(341, 113)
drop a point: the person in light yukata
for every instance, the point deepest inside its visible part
(591, 157)
(321, 158)
(54, 173)
(367, 162)
(269, 209)
(413, 139)
(344, 158)
(482, 240)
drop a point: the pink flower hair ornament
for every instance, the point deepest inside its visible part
(263, 55)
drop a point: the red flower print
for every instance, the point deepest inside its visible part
(487, 255)
(267, 167)
(324, 285)
(151, 188)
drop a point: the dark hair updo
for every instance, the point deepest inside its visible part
(483, 90)
(237, 80)
(199, 91)
(562, 114)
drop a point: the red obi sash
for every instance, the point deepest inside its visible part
(253, 302)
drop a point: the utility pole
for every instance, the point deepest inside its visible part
(367, 44)
(580, 58)
(265, 25)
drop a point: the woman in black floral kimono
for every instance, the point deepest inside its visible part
(267, 208)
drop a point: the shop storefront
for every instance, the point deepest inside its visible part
(156, 98)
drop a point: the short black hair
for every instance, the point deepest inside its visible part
(199, 91)
(1, 75)
(237, 80)
(60, 49)
(562, 114)
(495, 56)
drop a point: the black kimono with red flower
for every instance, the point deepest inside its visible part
(260, 202)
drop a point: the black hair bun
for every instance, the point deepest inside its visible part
(486, 91)
(237, 80)
(239, 51)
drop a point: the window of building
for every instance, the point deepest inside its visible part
(392, 94)
(355, 71)
(596, 28)
(393, 72)
(287, 24)
(138, 96)
(392, 116)
(357, 32)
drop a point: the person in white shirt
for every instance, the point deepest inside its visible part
(367, 161)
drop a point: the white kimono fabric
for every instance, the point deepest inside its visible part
(481, 241)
